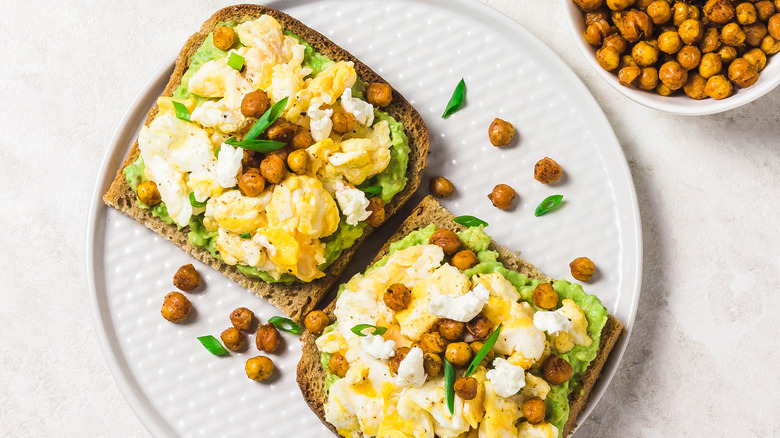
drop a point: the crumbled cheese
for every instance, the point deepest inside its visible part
(410, 370)
(228, 165)
(262, 239)
(320, 123)
(362, 110)
(463, 308)
(353, 204)
(507, 379)
(377, 347)
(552, 322)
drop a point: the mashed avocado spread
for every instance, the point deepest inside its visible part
(391, 180)
(475, 238)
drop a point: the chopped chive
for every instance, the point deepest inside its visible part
(372, 190)
(182, 113)
(213, 345)
(489, 343)
(236, 61)
(245, 236)
(449, 382)
(256, 145)
(470, 221)
(358, 329)
(456, 100)
(194, 202)
(548, 205)
(266, 120)
(285, 325)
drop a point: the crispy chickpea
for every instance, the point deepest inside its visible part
(663, 90)
(642, 4)
(338, 365)
(476, 347)
(534, 410)
(458, 353)
(645, 54)
(281, 130)
(627, 61)
(502, 196)
(377, 209)
(556, 370)
(719, 11)
(316, 321)
(596, 32)
(694, 88)
(617, 41)
(176, 307)
(690, 31)
(480, 327)
(710, 65)
(659, 11)
(746, 13)
(608, 58)
(255, 104)
(588, 5)
(343, 122)
(232, 338)
(302, 139)
(592, 16)
(773, 26)
(718, 87)
(582, 268)
(680, 12)
(186, 278)
(223, 38)
(710, 42)
(547, 170)
(397, 297)
(395, 361)
(628, 75)
(441, 187)
(727, 55)
(769, 45)
(756, 58)
(673, 75)
(764, 10)
(251, 182)
(432, 342)
(298, 161)
(148, 193)
(451, 330)
(755, 33)
(500, 132)
(619, 5)
(250, 159)
(689, 57)
(742, 73)
(446, 239)
(464, 259)
(432, 364)
(648, 78)
(241, 318)
(267, 338)
(634, 25)
(283, 153)
(732, 35)
(669, 42)
(466, 388)
(272, 169)
(379, 94)
(545, 296)
(259, 368)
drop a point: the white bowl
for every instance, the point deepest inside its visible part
(768, 79)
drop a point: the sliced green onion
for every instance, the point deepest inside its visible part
(456, 100)
(285, 325)
(236, 61)
(372, 190)
(194, 202)
(489, 343)
(216, 152)
(548, 205)
(182, 112)
(470, 221)
(266, 120)
(256, 145)
(213, 345)
(245, 236)
(449, 385)
(378, 330)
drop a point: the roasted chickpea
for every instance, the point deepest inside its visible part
(343, 122)
(547, 171)
(500, 132)
(648, 78)
(176, 307)
(689, 57)
(302, 139)
(272, 169)
(592, 16)
(186, 278)
(464, 259)
(397, 297)
(596, 32)
(756, 58)
(746, 13)
(618, 42)
(316, 321)
(588, 5)
(441, 187)
(545, 296)
(694, 88)
(669, 42)
(480, 327)
(710, 65)
(556, 370)
(379, 94)
(267, 338)
(582, 268)
(681, 12)
(148, 193)
(298, 161)
(458, 353)
(446, 239)
(627, 61)
(634, 25)
(259, 368)
(608, 58)
(710, 42)
(377, 209)
(395, 361)
(718, 87)
(432, 342)
(642, 4)
(223, 38)
(251, 159)
(534, 410)
(502, 196)
(659, 11)
(432, 364)
(466, 388)
(764, 10)
(732, 35)
(644, 53)
(742, 73)
(673, 75)
(690, 31)
(476, 347)
(719, 11)
(773, 26)
(663, 90)
(451, 330)
(619, 5)
(241, 318)
(251, 182)
(769, 45)
(255, 104)
(628, 75)
(232, 338)
(727, 55)
(755, 33)
(338, 365)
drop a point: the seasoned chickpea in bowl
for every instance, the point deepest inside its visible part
(689, 57)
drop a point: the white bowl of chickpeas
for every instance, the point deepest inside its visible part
(690, 58)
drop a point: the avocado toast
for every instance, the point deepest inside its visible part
(391, 403)
(289, 243)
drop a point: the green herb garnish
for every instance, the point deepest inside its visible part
(285, 324)
(449, 385)
(372, 190)
(358, 329)
(456, 100)
(182, 113)
(256, 145)
(470, 221)
(213, 345)
(548, 205)
(236, 61)
(245, 236)
(486, 347)
(194, 202)
(266, 120)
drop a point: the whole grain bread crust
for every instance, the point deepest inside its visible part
(311, 374)
(295, 299)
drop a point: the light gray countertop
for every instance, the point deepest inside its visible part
(703, 357)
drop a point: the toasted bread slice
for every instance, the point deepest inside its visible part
(311, 375)
(295, 299)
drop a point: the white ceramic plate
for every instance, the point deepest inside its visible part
(423, 48)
